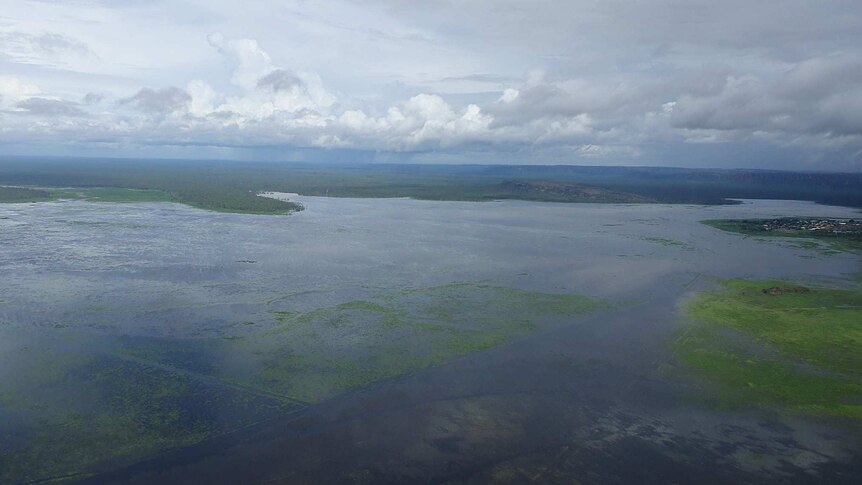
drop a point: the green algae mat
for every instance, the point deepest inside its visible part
(74, 403)
(314, 355)
(777, 344)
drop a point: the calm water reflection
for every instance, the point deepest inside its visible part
(587, 400)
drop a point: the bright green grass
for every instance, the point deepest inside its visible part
(799, 351)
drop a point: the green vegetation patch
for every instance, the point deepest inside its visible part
(314, 355)
(778, 344)
(22, 194)
(110, 194)
(194, 193)
(75, 404)
(67, 413)
(310, 356)
(821, 240)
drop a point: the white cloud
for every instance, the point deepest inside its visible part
(49, 48)
(203, 98)
(250, 62)
(509, 95)
(164, 101)
(565, 79)
(14, 90)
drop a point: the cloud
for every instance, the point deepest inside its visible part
(50, 107)
(14, 90)
(43, 47)
(202, 98)
(279, 80)
(251, 63)
(482, 78)
(425, 121)
(816, 97)
(92, 98)
(160, 101)
(268, 90)
(552, 81)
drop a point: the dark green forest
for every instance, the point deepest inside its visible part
(232, 186)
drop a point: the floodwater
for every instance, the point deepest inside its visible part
(158, 319)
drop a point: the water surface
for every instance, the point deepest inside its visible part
(161, 318)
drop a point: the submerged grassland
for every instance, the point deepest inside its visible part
(74, 403)
(777, 344)
(310, 356)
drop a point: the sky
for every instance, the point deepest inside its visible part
(734, 83)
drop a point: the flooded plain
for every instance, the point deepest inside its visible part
(386, 340)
